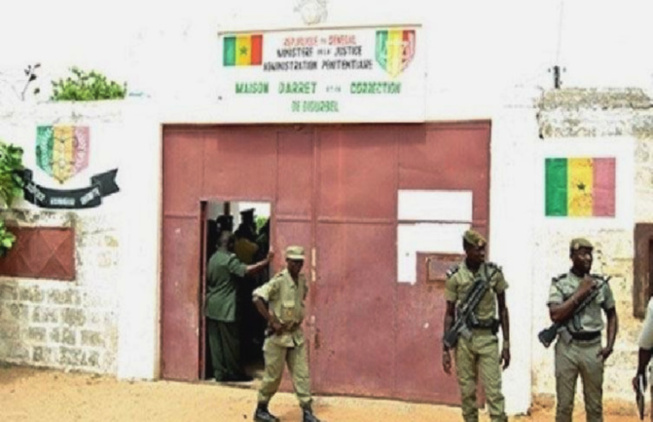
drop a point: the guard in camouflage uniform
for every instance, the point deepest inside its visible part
(281, 302)
(478, 354)
(578, 349)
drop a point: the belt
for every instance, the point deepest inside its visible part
(487, 324)
(585, 335)
(484, 323)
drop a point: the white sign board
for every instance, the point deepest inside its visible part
(374, 74)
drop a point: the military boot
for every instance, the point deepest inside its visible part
(262, 414)
(308, 415)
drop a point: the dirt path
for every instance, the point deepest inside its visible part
(28, 394)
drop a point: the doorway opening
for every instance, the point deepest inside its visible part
(248, 222)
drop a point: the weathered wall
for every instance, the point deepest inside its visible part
(60, 323)
(595, 123)
(105, 320)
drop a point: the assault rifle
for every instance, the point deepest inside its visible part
(466, 312)
(549, 334)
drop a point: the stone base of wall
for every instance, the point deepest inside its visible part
(48, 324)
(65, 324)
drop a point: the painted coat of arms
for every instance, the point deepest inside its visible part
(62, 151)
(395, 49)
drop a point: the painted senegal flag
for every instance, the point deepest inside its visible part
(395, 49)
(580, 187)
(242, 50)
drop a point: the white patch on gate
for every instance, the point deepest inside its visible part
(430, 221)
(434, 205)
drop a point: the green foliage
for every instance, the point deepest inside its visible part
(260, 222)
(7, 239)
(87, 86)
(11, 187)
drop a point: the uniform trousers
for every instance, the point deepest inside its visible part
(476, 356)
(276, 357)
(573, 359)
(225, 349)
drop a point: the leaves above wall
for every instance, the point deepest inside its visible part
(87, 86)
(11, 187)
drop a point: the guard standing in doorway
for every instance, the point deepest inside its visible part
(223, 271)
(281, 302)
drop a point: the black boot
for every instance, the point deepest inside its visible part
(262, 414)
(308, 415)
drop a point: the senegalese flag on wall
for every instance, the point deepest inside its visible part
(580, 187)
(242, 50)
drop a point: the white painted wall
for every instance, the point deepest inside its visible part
(485, 59)
(477, 49)
(123, 135)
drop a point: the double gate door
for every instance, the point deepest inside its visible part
(333, 189)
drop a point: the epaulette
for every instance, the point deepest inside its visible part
(559, 277)
(452, 270)
(599, 277)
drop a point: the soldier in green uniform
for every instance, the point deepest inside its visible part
(478, 354)
(578, 349)
(281, 302)
(223, 271)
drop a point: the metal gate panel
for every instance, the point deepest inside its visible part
(292, 232)
(295, 173)
(356, 254)
(334, 188)
(354, 308)
(182, 171)
(180, 298)
(240, 162)
(453, 156)
(357, 173)
(420, 311)
(448, 156)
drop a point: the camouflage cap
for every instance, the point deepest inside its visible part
(580, 242)
(295, 252)
(474, 238)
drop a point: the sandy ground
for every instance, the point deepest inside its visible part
(29, 394)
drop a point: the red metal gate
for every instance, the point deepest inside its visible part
(334, 190)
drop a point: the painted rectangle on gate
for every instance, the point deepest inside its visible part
(370, 74)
